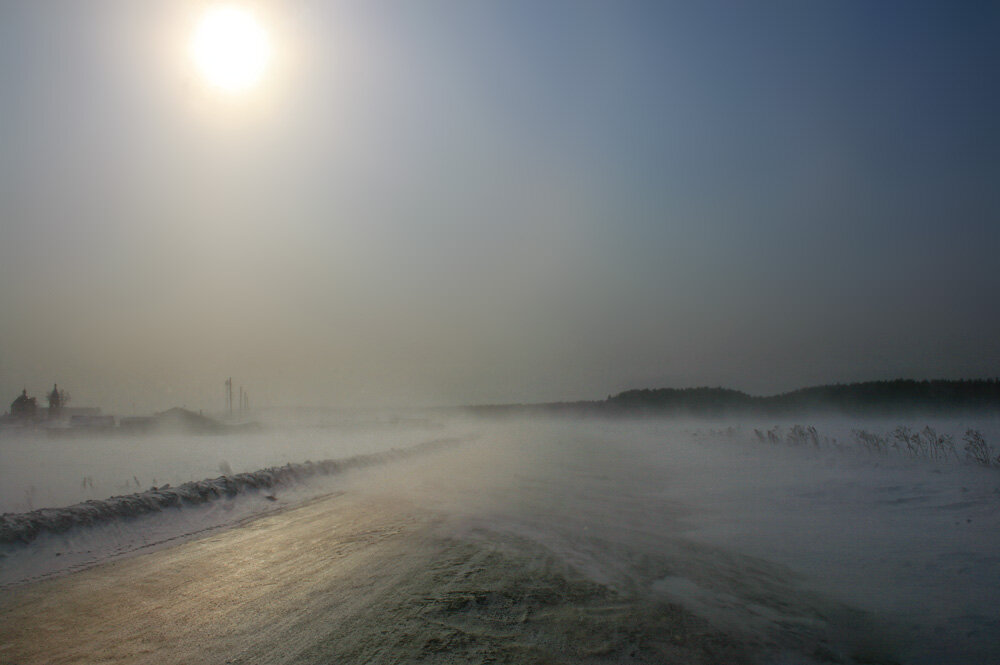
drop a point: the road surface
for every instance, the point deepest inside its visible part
(436, 561)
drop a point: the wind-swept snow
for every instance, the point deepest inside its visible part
(25, 527)
(800, 552)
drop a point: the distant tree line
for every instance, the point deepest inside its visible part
(868, 398)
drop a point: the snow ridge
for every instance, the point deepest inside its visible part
(25, 527)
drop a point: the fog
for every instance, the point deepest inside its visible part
(458, 204)
(449, 204)
(42, 470)
(897, 554)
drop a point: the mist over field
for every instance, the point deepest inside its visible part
(39, 470)
(789, 548)
(499, 332)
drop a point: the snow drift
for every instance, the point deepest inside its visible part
(25, 527)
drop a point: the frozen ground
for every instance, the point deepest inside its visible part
(41, 471)
(609, 541)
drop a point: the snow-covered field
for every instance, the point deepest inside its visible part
(41, 471)
(700, 514)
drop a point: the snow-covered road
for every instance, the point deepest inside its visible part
(557, 541)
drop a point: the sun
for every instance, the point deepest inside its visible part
(230, 48)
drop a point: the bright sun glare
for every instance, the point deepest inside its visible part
(230, 48)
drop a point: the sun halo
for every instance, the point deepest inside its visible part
(230, 48)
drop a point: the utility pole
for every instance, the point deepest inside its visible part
(241, 401)
(229, 395)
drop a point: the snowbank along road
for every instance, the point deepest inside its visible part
(545, 542)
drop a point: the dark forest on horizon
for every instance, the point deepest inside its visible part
(871, 398)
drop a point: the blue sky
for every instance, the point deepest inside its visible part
(453, 202)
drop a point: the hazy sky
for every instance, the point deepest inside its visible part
(444, 202)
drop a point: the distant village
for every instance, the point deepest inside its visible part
(59, 418)
(25, 411)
